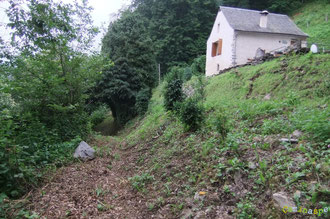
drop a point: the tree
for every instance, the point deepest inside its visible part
(44, 80)
(179, 29)
(129, 45)
(53, 71)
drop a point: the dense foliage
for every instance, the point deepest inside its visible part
(133, 69)
(173, 93)
(191, 113)
(178, 29)
(281, 6)
(167, 32)
(44, 81)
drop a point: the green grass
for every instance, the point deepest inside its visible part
(311, 19)
(227, 142)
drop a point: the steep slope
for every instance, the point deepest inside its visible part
(314, 19)
(230, 168)
(240, 174)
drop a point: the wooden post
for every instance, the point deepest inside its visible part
(158, 73)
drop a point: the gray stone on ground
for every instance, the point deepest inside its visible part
(296, 134)
(84, 152)
(260, 53)
(289, 140)
(251, 165)
(281, 200)
(267, 97)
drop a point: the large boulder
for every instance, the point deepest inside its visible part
(84, 152)
(283, 201)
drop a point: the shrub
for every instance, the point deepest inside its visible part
(173, 89)
(191, 114)
(142, 101)
(198, 65)
(99, 115)
(187, 74)
(27, 147)
(221, 124)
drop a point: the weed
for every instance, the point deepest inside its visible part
(139, 182)
(100, 192)
(245, 209)
(220, 168)
(117, 156)
(221, 124)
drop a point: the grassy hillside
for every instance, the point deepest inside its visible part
(311, 19)
(239, 173)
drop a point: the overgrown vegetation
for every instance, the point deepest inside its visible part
(236, 155)
(312, 18)
(44, 80)
(212, 145)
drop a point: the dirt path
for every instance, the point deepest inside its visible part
(95, 189)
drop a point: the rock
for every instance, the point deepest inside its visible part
(267, 97)
(297, 194)
(289, 140)
(189, 91)
(260, 53)
(296, 134)
(281, 200)
(84, 152)
(251, 165)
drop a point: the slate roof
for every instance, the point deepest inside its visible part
(249, 20)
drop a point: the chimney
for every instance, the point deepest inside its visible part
(263, 18)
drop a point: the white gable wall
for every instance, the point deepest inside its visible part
(248, 42)
(226, 33)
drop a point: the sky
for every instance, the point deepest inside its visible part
(104, 11)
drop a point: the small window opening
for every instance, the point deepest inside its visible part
(218, 27)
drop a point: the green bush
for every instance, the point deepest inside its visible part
(191, 114)
(187, 73)
(173, 88)
(198, 65)
(26, 147)
(221, 124)
(99, 115)
(142, 101)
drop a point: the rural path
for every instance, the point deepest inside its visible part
(94, 189)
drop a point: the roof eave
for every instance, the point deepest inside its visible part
(304, 35)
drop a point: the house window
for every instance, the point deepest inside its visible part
(218, 27)
(217, 48)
